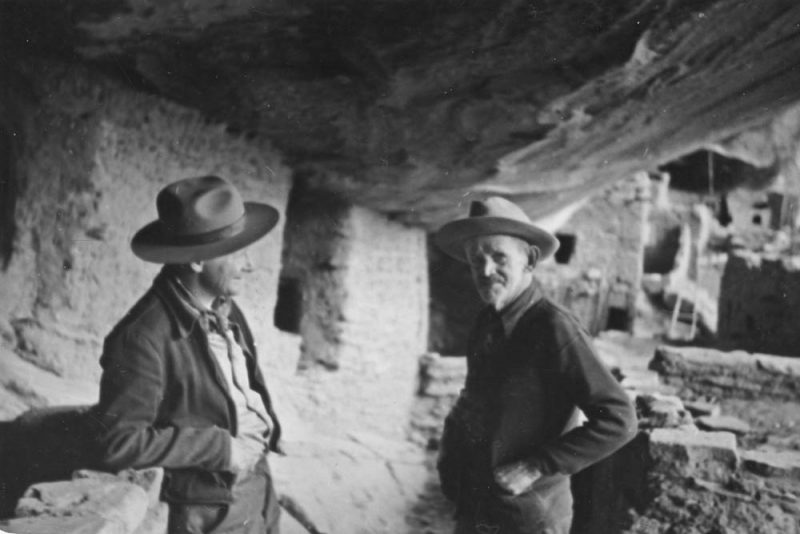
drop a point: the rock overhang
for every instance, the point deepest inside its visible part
(409, 107)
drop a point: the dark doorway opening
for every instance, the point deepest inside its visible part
(618, 319)
(567, 249)
(289, 309)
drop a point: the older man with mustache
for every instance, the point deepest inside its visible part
(514, 435)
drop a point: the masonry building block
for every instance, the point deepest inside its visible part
(738, 374)
(687, 452)
(120, 502)
(773, 463)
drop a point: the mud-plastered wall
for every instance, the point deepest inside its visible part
(364, 312)
(93, 157)
(598, 269)
(759, 304)
(363, 326)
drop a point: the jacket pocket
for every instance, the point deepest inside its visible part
(196, 486)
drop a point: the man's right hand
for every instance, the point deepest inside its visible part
(245, 453)
(237, 463)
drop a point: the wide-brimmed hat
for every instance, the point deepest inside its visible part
(200, 219)
(494, 215)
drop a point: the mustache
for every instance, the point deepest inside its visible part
(487, 280)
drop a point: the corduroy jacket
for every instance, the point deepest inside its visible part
(164, 401)
(520, 403)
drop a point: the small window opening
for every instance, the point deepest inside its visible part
(289, 309)
(618, 319)
(567, 249)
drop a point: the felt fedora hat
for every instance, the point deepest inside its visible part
(494, 215)
(200, 219)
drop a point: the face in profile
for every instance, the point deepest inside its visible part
(501, 266)
(223, 276)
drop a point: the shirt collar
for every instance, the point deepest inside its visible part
(183, 307)
(511, 314)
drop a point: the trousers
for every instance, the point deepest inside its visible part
(254, 510)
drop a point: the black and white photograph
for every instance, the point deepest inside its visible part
(399, 267)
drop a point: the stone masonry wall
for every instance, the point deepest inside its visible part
(605, 269)
(364, 318)
(94, 502)
(702, 482)
(608, 231)
(316, 255)
(363, 327)
(737, 374)
(737, 476)
(94, 157)
(759, 304)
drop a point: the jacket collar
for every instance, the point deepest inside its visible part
(511, 314)
(185, 312)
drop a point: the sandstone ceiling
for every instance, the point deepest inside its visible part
(409, 106)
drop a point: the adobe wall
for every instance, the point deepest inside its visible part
(362, 328)
(604, 271)
(91, 158)
(364, 310)
(759, 304)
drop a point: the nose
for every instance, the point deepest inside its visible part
(245, 265)
(486, 267)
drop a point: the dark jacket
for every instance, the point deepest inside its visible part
(164, 401)
(519, 403)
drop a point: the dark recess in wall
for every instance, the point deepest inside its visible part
(567, 249)
(694, 173)
(8, 193)
(289, 309)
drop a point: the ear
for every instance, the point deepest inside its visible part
(534, 253)
(197, 266)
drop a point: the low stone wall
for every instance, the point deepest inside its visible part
(701, 482)
(440, 381)
(703, 371)
(93, 502)
(42, 445)
(46, 486)
(708, 481)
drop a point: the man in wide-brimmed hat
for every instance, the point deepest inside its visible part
(514, 435)
(181, 385)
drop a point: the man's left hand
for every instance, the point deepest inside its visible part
(517, 477)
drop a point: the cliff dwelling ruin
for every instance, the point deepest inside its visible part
(659, 139)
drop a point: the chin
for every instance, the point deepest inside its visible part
(497, 304)
(493, 300)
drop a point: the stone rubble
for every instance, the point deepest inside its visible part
(93, 503)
